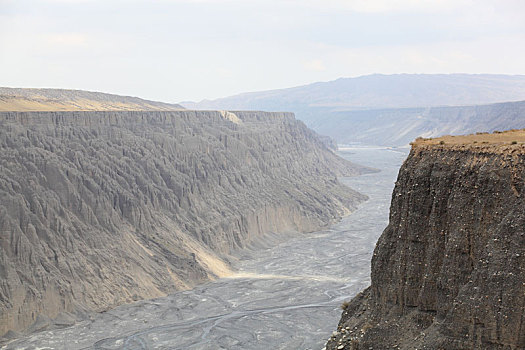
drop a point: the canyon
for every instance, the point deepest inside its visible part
(101, 208)
(135, 224)
(285, 293)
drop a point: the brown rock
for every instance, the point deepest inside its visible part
(449, 270)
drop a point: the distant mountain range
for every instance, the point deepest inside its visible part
(393, 109)
(16, 99)
(397, 127)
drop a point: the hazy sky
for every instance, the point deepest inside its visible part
(174, 50)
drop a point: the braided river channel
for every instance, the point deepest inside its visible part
(285, 295)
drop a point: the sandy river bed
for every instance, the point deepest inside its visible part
(284, 297)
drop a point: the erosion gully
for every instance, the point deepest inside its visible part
(286, 296)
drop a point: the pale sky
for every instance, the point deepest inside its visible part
(176, 50)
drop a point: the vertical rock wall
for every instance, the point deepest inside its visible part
(449, 270)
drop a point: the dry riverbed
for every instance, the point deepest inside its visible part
(284, 297)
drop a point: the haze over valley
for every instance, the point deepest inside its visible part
(248, 174)
(393, 110)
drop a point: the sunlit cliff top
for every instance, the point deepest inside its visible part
(511, 141)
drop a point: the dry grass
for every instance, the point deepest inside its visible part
(31, 100)
(510, 137)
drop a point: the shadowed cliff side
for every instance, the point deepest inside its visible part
(103, 208)
(449, 270)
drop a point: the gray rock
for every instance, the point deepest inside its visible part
(64, 319)
(41, 323)
(10, 335)
(103, 208)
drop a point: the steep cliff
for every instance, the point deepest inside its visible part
(103, 208)
(449, 270)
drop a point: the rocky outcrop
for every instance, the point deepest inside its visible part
(449, 270)
(329, 142)
(103, 208)
(24, 100)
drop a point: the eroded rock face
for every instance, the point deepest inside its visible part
(102, 208)
(449, 270)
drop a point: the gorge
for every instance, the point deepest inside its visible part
(109, 207)
(137, 229)
(284, 294)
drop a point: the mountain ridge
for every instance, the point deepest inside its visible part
(406, 106)
(400, 126)
(378, 81)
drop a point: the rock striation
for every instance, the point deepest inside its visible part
(103, 208)
(448, 272)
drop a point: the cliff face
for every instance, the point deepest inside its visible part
(102, 208)
(449, 270)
